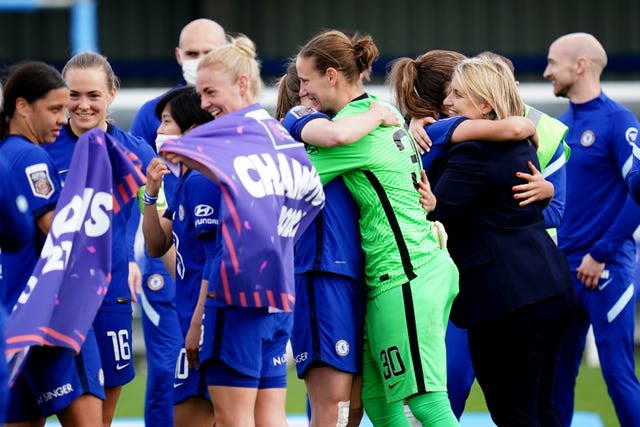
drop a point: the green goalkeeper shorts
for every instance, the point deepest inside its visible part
(404, 348)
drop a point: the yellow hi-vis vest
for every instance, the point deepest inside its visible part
(551, 132)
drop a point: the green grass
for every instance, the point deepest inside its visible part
(591, 395)
(131, 401)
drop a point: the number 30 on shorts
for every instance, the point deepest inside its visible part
(391, 363)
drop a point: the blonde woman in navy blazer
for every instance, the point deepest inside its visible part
(515, 294)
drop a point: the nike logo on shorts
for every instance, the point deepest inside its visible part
(604, 285)
(393, 385)
(176, 385)
(120, 367)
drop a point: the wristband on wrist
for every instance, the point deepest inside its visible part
(148, 199)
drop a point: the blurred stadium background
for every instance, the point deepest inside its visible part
(138, 37)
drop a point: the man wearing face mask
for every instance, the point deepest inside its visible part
(197, 38)
(161, 327)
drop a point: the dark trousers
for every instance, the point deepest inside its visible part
(514, 358)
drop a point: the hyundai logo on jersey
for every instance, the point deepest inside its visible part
(203, 210)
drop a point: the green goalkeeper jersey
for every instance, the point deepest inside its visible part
(381, 171)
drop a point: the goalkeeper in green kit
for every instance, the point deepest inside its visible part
(410, 277)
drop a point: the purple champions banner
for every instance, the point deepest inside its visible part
(270, 194)
(66, 288)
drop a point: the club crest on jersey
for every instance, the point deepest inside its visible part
(342, 348)
(39, 180)
(301, 111)
(588, 138)
(155, 282)
(631, 135)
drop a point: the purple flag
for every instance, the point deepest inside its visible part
(270, 194)
(70, 279)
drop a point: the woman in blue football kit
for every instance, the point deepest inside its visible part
(243, 353)
(93, 86)
(327, 337)
(53, 380)
(190, 223)
(16, 232)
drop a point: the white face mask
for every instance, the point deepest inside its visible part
(189, 68)
(162, 138)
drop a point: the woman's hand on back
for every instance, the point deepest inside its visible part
(420, 137)
(536, 189)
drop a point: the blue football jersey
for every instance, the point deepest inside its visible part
(600, 215)
(440, 134)
(16, 225)
(332, 242)
(37, 179)
(195, 214)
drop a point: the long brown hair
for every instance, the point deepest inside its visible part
(288, 91)
(421, 85)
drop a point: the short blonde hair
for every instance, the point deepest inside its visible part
(236, 58)
(489, 79)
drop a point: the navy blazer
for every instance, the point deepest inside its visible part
(505, 257)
